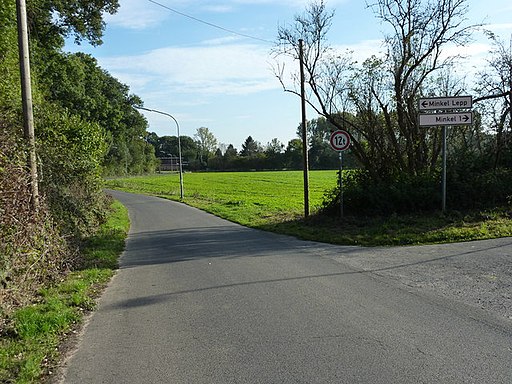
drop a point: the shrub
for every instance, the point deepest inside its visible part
(363, 196)
(71, 151)
(403, 194)
(32, 252)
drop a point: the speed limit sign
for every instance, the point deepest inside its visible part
(340, 140)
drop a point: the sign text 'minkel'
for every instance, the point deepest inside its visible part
(457, 118)
(442, 103)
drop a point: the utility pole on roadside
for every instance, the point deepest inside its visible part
(26, 95)
(304, 129)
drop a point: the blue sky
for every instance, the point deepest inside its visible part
(208, 77)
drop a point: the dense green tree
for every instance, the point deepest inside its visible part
(250, 147)
(230, 153)
(206, 143)
(218, 153)
(274, 147)
(9, 72)
(71, 152)
(51, 21)
(293, 154)
(217, 161)
(79, 85)
(274, 153)
(167, 146)
(320, 153)
(189, 149)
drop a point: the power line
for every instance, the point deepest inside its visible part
(210, 24)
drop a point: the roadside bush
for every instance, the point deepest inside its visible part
(404, 194)
(363, 196)
(476, 190)
(71, 151)
(32, 252)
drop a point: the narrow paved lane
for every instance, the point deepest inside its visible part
(201, 300)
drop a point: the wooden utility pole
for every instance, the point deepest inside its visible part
(26, 95)
(304, 129)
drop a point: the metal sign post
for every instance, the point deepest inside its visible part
(340, 141)
(438, 116)
(443, 178)
(341, 184)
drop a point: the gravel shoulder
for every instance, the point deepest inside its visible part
(476, 273)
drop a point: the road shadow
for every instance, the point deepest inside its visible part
(178, 245)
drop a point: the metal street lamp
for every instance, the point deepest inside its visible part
(179, 143)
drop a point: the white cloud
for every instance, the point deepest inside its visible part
(498, 28)
(206, 69)
(136, 14)
(363, 50)
(218, 8)
(140, 14)
(292, 3)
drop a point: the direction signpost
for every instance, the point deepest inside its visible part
(436, 103)
(340, 141)
(440, 119)
(438, 115)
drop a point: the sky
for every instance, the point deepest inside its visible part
(188, 62)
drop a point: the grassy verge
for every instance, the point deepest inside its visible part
(400, 230)
(29, 348)
(274, 201)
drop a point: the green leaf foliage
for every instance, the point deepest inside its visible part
(71, 150)
(78, 84)
(51, 21)
(9, 70)
(75, 105)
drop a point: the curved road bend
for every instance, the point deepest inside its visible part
(198, 299)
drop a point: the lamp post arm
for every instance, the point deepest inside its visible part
(162, 113)
(179, 142)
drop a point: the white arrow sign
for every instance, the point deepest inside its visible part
(436, 119)
(437, 103)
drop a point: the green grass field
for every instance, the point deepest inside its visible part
(274, 201)
(249, 198)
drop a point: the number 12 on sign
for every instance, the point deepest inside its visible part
(340, 140)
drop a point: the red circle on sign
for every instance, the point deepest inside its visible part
(340, 140)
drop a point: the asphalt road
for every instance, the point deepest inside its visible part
(201, 300)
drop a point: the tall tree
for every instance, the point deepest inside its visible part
(293, 154)
(320, 153)
(206, 142)
(79, 85)
(495, 98)
(274, 147)
(250, 147)
(382, 93)
(51, 21)
(230, 153)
